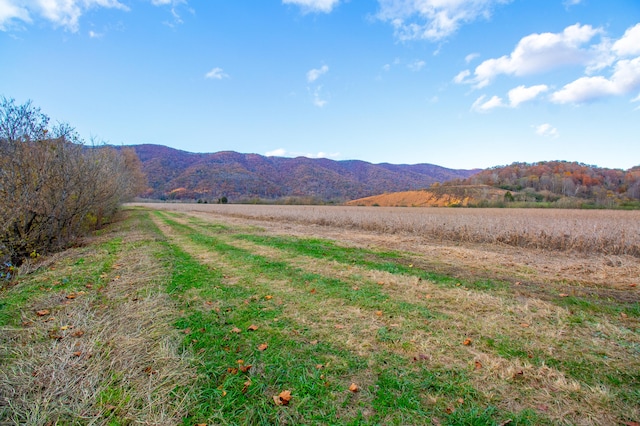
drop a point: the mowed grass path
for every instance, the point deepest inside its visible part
(355, 336)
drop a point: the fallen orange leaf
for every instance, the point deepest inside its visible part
(563, 295)
(467, 342)
(283, 398)
(236, 330)
(245, 368)
(379, 313)
(478, 365)
(524, 324)
(313, 291)
(263, 347)
(42, 312)
(253, 327)
(268, 297)
(71, 296)
(354, 388)
(77, 353)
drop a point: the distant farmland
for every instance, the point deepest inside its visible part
(588, 231)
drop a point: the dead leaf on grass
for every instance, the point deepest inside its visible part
(269, 297)
(253, 327)
(354, 388)
(478, 365)
(467, 342)
(262, 347)
(283, 398)
(245, 368)
(71, 296)
(563, 295)
(236, 330)
(42, 312)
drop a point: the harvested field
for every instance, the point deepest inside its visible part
(306, 315)
(604, 232)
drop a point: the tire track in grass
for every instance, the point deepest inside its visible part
(540, 381)
(289, 362)
(438, 402)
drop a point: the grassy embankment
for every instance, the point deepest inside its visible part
(169, 319)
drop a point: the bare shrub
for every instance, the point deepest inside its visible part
(53, 188)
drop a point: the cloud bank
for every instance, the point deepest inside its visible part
(617, 63)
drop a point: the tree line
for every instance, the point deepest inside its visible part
(54, 188)
(606, 187)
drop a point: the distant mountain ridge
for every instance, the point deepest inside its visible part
(173, 173)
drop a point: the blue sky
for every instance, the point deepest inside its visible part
(458, 83)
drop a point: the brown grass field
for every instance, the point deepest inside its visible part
(532, 312)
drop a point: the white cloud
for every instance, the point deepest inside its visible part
(216, 73)
(314, 74)
(9, 11)
(279, 152)
(480, 105)
(546, 130)
(64, 13)
(517, 96)
(471, 56)
(317, 97)
(537, 53)
(432, 19)
(416, 65)
(625, 80)
(67, 13)
(522, 94)
(323, 155)
(629, 43)
(569, 3)
(325, 6)
(461, 77)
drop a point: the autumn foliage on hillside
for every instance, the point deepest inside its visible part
(181, 175)
(551, 180)
(53, 188)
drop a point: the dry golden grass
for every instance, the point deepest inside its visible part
(606, 232)
(110, 350)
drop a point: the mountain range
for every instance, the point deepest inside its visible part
(177, 174)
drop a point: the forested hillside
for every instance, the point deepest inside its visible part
(555, 180)
(175, 174)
